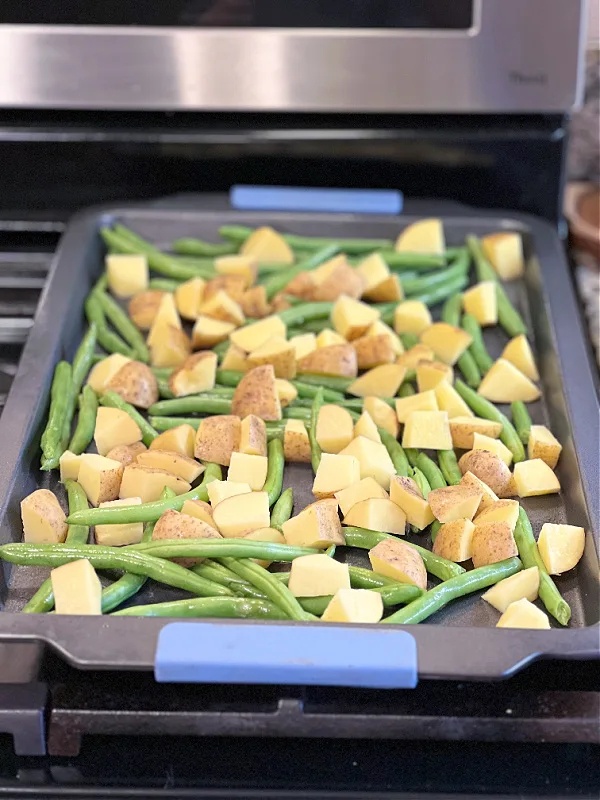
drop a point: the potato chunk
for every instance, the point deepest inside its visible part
(286, 392)
(118, 535)
(101, 374)
(296, 444)
(425, 236)
(492, 542)
(114, 427)
(448, 399)
(256, 394)
(166, 316)
(523, 614)
(524, 584)
(200, 510)
(534, 477)
(267, 247)
(222, 307)
(382, 415)
(127, 274)
(428, 430)
(500, 511)
(188, 298)
(235, 518)
(488, 467)
(44, 521)
(170, 348)
(243, 265)
(235, 359)
(454, 502)
(265, 535)
(351, 318)
(69, 466)
(76, 588)
(561, 547)
(504, 383)
(383, 381)
(188, 469)
(447, 341)
(208, 332)
(373, 458)
(148, 483)
(335, 472)
(518, 352)
(413, 357)
(252, 336)
(505, 253)
(354, 605)
(143, 307)
(176, 525)
(365, 426)
(363, 490)
(405, 493)
(196, 374)
(481, 442)
(411, 316)
(335, 428)
(481, 301)
(454, 540)
(337, 360)
(253, 436)
(254, 303)
(221, 490)
(217, 437)
(422, 401)
(317, 575)
(373, 351)
(431, 373)
(488, 498)
(277, 352)
(342, 280)
(542, 444)
(304, 344)
(176, 440)
(462, 430)
(398, 560)
(318, 525)
(377, 515)
(136, 384)
(100, 478)
(248, 469)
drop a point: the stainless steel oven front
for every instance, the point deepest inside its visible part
(420, 56)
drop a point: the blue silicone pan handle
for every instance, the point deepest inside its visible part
(331, 201)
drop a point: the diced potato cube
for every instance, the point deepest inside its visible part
(232, 285)
(143, 307)
(114, 427)
(208, 332)
(251, 337)
(523, 614)
(127, 274)
(188, 469)
(69, 466)
(542, 444)
(148, 483)
(383, 381)
(103, 372)
(431, 373)
(481, 442)
(235, 359)
(235, 518)
(489, 468)
(423, 401)
(257, 394)
(175, 525)
(243, 265)
(504, 383)
(373, 271)
(296, 444)
(278, 352)
(481, 301)
(317, 575)
(365, 489)
(561, 547)
(267, 247)
(488, 498)
(44, 521)
(505, 253)
(199, 510)
(76, 588)
(286, 392)
(318, 525)
(196, 374)
(374, 460)
(253, 436)
(454, 502)
(492, 542)
(118, 535)
(447, 341)
(425, 236)
(500, 511)
(327, 268)
(335, 472)
(524, 584)
(335, 428)
(378, 515)
(222, 307)
(411, 316)
(398, 560)
(328, 337)
(518, 352)
(100, 478)
(266, 535)
(405, 493)
(388, 291)
(351, 318)
(188, 298)
(379, 328)
(337, 359)
(176, 440)
(454, 540)
(127, 453)
(221, 490)
(354, 605)
(248, 469)
(166, 316)
(170, 348)
(534, 477)
(462, 430)
(382, 414)
(427, 430)
(343, 280)
(373, 351)
(365, 426)
(303, 344)
(410, 359)
(448, 399)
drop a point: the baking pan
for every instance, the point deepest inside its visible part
(459, 642)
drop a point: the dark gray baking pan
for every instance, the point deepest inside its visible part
(459, 642)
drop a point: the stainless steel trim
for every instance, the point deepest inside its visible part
(519, 57)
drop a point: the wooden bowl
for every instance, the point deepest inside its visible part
(582, 210)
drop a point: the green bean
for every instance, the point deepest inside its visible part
(192, 404)
(411, 261)
(395, 451)
(107, 339)
(483, 408)
(434, 529)
(43, 600)
(429, 282)
(276, 463)
(52, 441)
(477, 348)
(449, 466)
(86, 421)
(360, 578)
(82, 363)
(164, 390)
(431, 471)
(432, 297)
(466, 362)
(409, 340)
(159, 569)
(146, 512)
(441, 595)
(213, 571)
(239, 234)
(204, 266)
(113, 400)
(305, 312)
(161, 424)
(304, 388)
(207, 607)
(115, 314)
(521, 420)
(396, 595)
(164, 285)
(277, 283)
(366, 539)
(162, 373)
(508, 316)
(312, 326)
(222, 548)
(198, 247)
(412, 455)
(406, 390)
(315, 448)
(336, 383)
(275, 591)
(421, 481)
(282, 510)
(554, 603)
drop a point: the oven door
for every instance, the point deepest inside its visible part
(310, 55)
